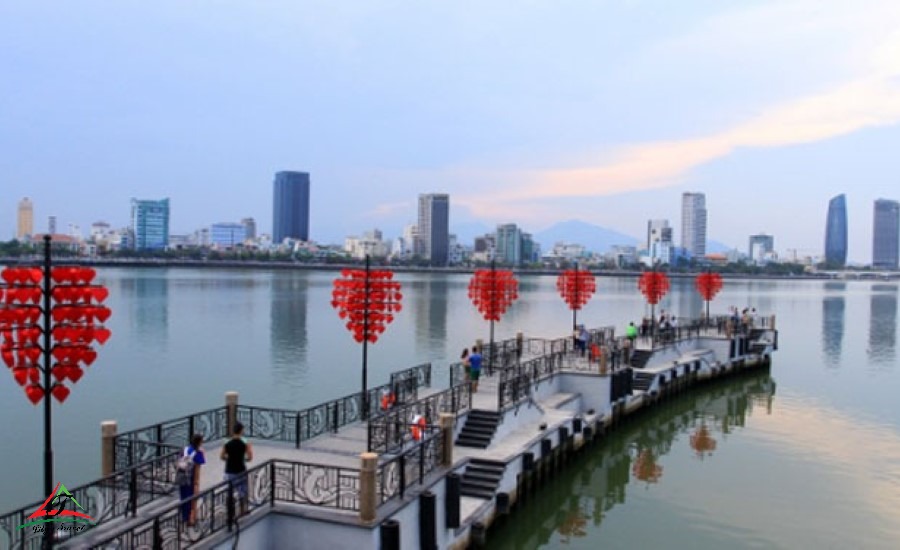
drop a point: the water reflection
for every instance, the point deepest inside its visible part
(833, 325)
(429, 305)
(577, 501)
(148, 306)
(883, 325)
(288, 329)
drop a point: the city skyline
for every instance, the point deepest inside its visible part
(607, 119)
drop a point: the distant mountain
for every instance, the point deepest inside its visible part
(715, 247)
(467, 231)
(594, 237)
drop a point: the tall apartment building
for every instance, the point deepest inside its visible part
(693, 223)
(508, 242)
(290, 204)
(761, 247)
(836, 232)
(249, 228)
(150, 224)
(659, 241)
(434, 227)
(886, 234)
(25, 219)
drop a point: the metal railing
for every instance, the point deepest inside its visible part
(276, 481)
(143, 443)
(114, 497)
(413, 377)
(389, 431)
(517, 383)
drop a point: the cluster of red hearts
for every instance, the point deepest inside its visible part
(708, 285)
(368, 300)
(75, 323)
(654, 285)
(492, 291)
(576, 286)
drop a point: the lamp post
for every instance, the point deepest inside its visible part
(50, 313)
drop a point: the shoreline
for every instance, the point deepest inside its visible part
(302, 266)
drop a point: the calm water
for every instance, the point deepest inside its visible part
(807, 458)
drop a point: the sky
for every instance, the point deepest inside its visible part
(525, 111)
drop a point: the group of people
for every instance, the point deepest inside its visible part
(472, 365)
(236, 452)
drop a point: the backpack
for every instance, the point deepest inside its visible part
(184, 469)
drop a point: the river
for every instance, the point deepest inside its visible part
(807, 456)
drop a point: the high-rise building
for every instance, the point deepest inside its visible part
(434, 227)
(249, 228)
(51, 225)
(25, 225)
(150, 223)
(509, 244)
(693, 223)
(659, 241)
(290, 219)
(761, 247)
(227, 235)
(836, 232)
(886, 234)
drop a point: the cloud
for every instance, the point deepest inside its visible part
(870, 97)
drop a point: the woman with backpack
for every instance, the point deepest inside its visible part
(189, 477)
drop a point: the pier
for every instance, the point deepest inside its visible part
(350, 473)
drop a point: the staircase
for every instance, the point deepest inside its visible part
(639, 358)
(642, 381)
(481, 478)
(479, 429)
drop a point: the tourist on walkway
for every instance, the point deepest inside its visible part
(187, 490)
(631, 332)
(467, 366)
(475, 367)
(582, 340)
(236, 453)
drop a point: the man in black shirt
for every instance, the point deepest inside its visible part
(236, 452)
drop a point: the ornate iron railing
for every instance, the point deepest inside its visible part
(138, 444)
(395, 476)
(218, 507)
(389, 431)
(518, 382)
(113, 497)
(412, 378)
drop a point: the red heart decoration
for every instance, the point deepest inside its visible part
(35, 393)
(8, 357)
(59, 372)
(21, 375)
(88, 356)
(62, 353)
(33, 353)
(60, 392)
(36, 274)
(87, 274)
(99, 293)
(102, 335)
(75, 373)
(9, 275)
(34, 374)
(102, 313)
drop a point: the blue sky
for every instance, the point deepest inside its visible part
(524, 111)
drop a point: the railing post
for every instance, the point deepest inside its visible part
(272, 483)
(231, 405)
(132, 491)
(402, 475)
(108, 431)
(159, 438)
(190, 429)
(447, 434)
(229, 508)
(368, 498)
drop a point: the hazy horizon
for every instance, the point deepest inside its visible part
(522, 111)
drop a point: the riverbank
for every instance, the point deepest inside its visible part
(311, 266)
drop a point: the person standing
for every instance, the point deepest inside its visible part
(475, 367)
(187, 490)
(583, 337)
(236, 453)
(467, 366)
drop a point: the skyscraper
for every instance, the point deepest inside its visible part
(434, 227)
(836, 232)
(659, 241)
(150, 223)
(509, 244)
(693, 223)
(290, 217)
(886, 234)
(25, 225)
